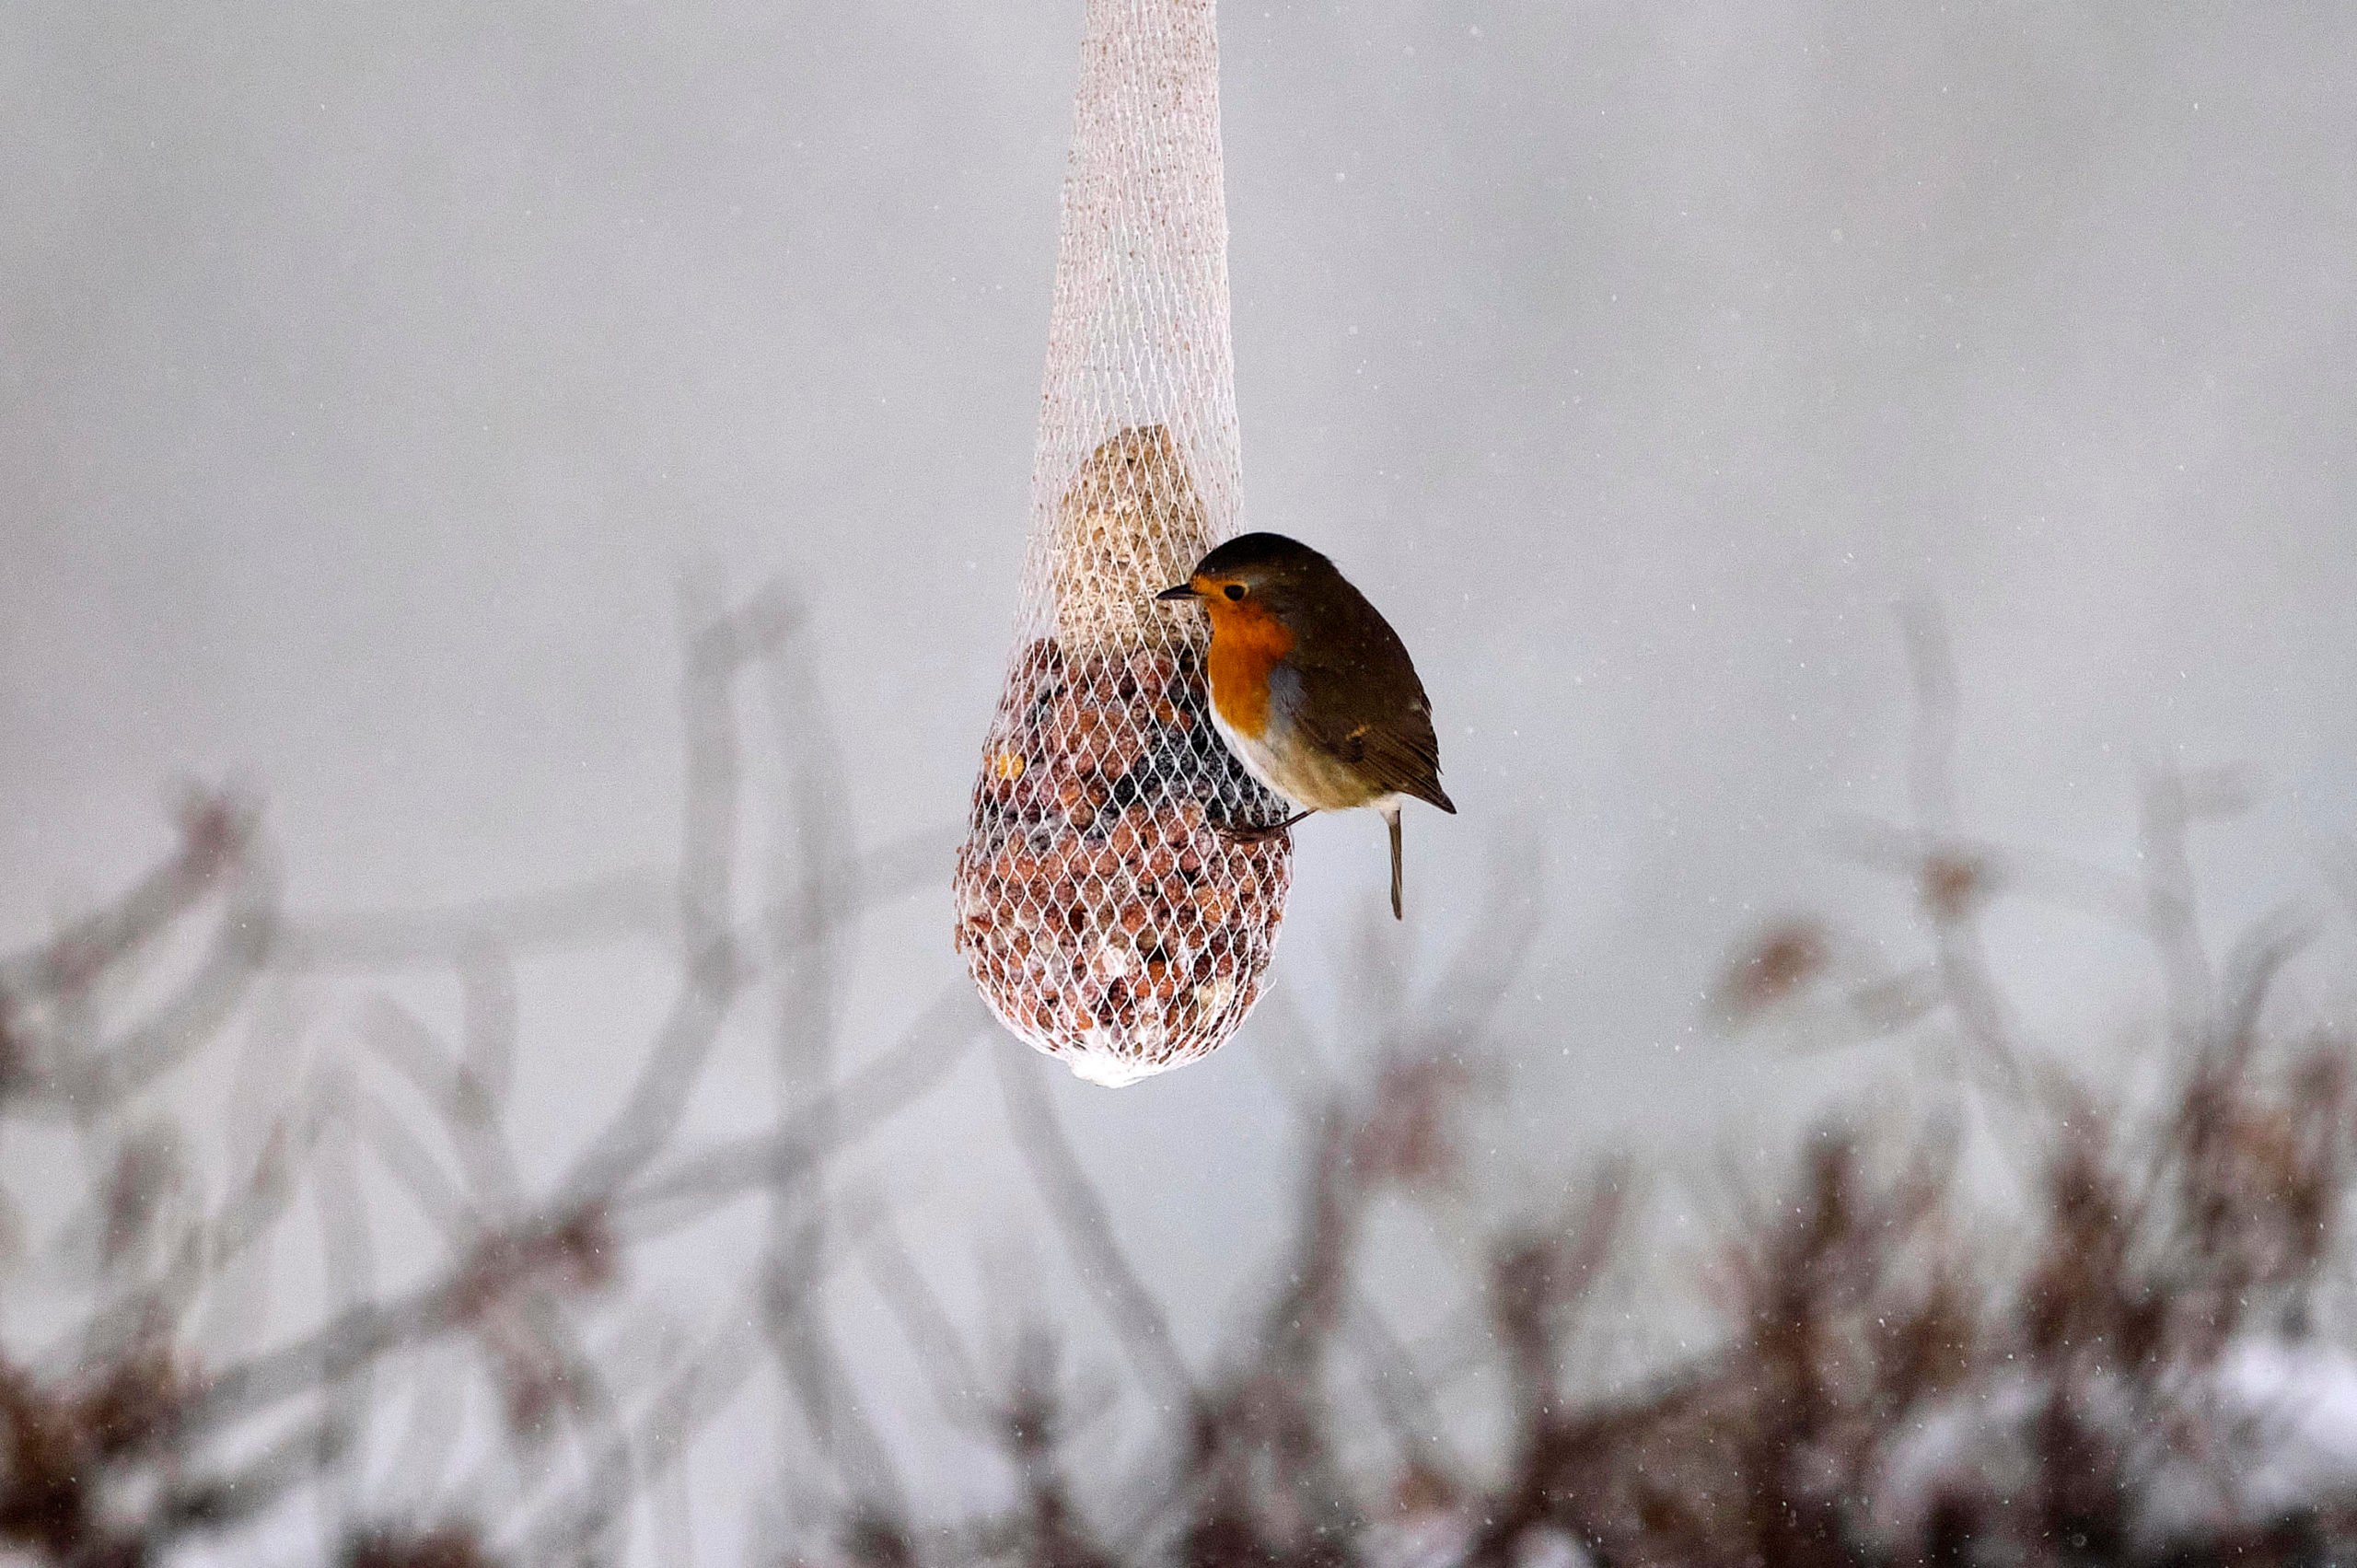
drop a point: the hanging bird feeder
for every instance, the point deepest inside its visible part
(1108, 911)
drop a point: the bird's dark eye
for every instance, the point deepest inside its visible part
(1233, 591)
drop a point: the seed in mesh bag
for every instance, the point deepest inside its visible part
(1131, 522)
(1104, 916)
(1097, 828)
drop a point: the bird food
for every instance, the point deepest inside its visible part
(1111, 905)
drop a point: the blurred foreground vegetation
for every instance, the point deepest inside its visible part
(2027, 1319)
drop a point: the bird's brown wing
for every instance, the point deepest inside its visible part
(1362, 704)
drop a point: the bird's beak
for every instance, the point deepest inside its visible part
(1184, 590)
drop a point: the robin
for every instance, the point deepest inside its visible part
(1311, 688)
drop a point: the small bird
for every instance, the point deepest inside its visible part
(1311, 688)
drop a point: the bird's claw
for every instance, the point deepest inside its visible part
(1241, 835)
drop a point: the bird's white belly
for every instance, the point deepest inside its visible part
(1303, 778)
(1259, 758)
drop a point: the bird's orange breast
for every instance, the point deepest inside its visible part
(1247, 643)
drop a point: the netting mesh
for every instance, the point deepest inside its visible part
(1105, 917)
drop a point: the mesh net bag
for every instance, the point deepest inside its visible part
(1105, 917)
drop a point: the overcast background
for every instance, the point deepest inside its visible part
(372, 376)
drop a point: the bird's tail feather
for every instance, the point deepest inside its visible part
(1391, 819)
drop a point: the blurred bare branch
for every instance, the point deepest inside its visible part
(519, 1273)
(1879, 1363)
(1086, 1226)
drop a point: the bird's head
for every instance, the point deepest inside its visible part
(1265, 571)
